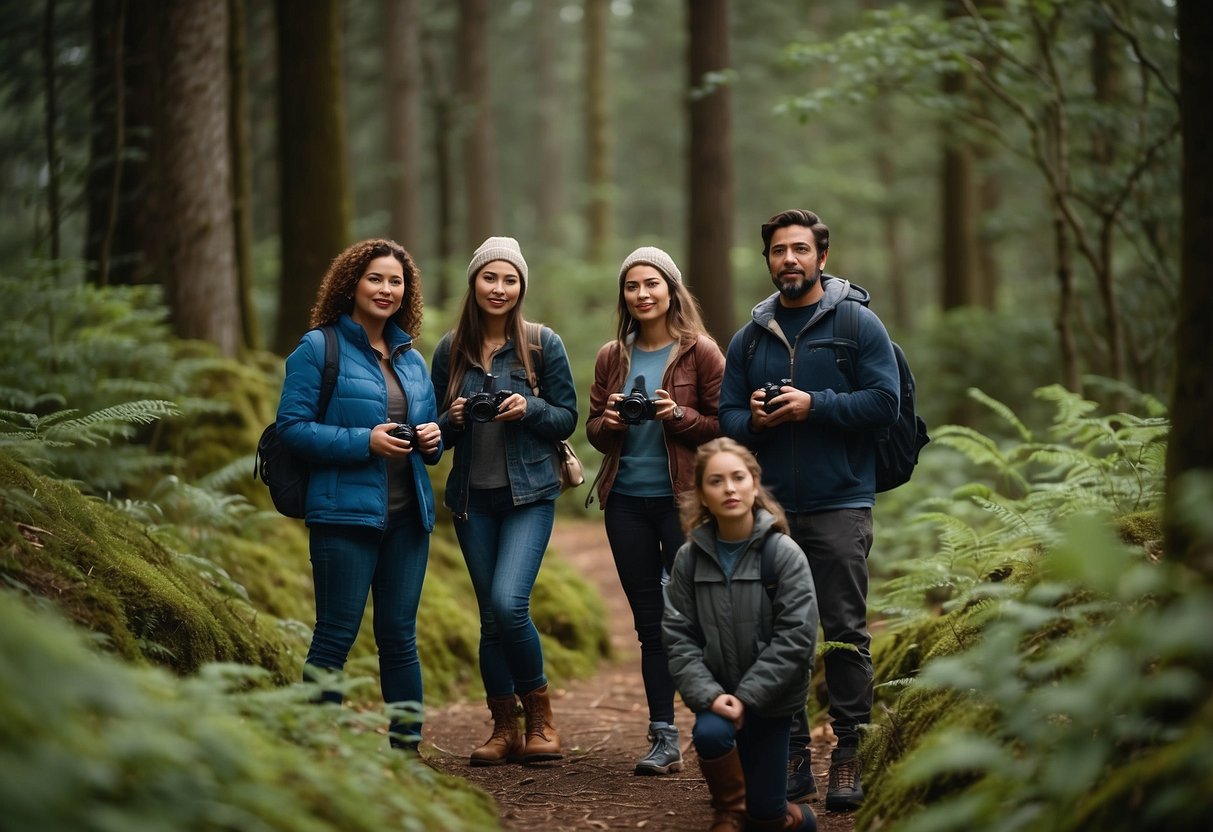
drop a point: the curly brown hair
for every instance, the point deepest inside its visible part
(336, 295)
(693, 513)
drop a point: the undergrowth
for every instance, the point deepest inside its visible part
(1044, 667)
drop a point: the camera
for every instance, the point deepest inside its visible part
(636, 407)
(770, 390)
(406, 432)
(482, 407)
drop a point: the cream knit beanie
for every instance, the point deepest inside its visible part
(498, 248)
(651, 256)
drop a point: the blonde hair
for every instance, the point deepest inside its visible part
(693, 513)
(336, 294)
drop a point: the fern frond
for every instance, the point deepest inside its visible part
(1002, 411)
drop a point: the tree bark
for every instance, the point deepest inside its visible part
(957, 199)
(314, 183)
(240, 135)
(120, 241)
(442, 106)
(51, 102)
(599, 217)
(480, 169)
(549, 185)
(710, 169)
(197, 247)
(402, 56)
(1191, 444)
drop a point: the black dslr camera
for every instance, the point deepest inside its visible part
(770, 390)
(406, 432)
(637, 407)
(482, 407)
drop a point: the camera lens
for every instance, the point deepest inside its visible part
(406, 432)
(482, 408)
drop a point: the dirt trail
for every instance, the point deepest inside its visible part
(602, 723)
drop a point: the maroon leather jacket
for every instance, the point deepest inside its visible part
(692, 378)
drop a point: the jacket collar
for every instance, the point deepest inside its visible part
(836, 289)
(396, 338)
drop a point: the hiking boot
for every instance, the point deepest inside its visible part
(726, 783)
(542, 742)
(665, 756)
(802, 785)
(505, 744)
(797, 819)
(845, 791)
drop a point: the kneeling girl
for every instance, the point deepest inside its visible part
(740, 652)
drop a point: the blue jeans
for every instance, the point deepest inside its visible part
(347, 563)
(645, 533)
(762, 744)
(837, 544)
(503, 545)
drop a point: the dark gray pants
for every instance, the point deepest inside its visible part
(837, 544)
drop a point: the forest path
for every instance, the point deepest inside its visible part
(602, 723)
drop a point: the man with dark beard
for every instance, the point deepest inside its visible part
(816, 441)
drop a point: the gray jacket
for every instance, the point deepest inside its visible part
(726, 636)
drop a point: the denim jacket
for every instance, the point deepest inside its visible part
(530, 443)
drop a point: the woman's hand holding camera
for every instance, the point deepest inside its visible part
(512, 409)
(611, 419)
(394, 439)
(665, 405)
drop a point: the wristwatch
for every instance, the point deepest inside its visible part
(678, 413)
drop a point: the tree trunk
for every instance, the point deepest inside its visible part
(52, 148)
(1105, 78)
(314, 183)
(402, 56)
(121, 239)
(549, 186)
(1190, 450)
(442, 105)
(1063, 253)
(193, 174)
(599, 218)
(710, 170)
(480, 170)
(957, 202)
(890, 221)
(242, 170)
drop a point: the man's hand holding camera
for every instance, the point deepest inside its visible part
(769, 409)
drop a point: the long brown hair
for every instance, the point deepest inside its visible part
(683, 319)
(467, 337)
(336, 294)
(693, 513)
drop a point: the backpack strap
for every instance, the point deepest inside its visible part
(846, 339)
(332, 358)
(769, 581)
(751, 344)
(534, 343)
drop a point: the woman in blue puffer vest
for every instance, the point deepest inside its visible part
(507, 396)
(370, 507)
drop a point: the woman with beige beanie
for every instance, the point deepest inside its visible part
(505, 397)
(653, 402)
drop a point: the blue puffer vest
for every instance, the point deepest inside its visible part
(348, 485)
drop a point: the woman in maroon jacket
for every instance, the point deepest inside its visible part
(653, 402)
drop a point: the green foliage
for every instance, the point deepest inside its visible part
(1062, 679)
(145, 599)
(87, 743)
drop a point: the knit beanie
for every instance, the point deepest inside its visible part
(651, 256)
(498, 248)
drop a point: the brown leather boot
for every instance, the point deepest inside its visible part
(542, 741)
(798, 819)
(726, 782)
(505, 745)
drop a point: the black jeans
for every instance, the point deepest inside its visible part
(837, 544)
(644, 533)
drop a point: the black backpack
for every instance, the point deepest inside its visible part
(898, 446)
(285, 473)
